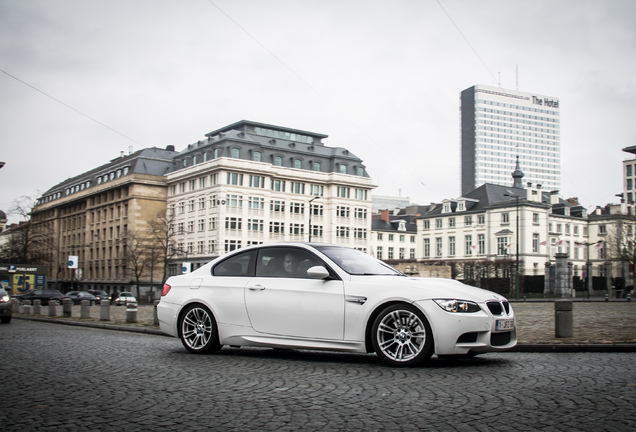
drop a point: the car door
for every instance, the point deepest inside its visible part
(294, 305)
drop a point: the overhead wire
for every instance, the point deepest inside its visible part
(71, 108)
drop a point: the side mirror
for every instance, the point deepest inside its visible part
(318, 272)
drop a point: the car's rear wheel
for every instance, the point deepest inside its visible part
(198, 331)
(402, 336)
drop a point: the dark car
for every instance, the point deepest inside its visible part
(5, 307)
(44, 295)
(78, 296)
(99, 295)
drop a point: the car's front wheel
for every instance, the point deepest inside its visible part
(198, 331)
(402, 336)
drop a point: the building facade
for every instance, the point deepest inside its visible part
(629, 178)
(94, 215)
(498, 125)
(251, 183)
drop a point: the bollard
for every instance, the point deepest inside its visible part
(25, 303)
(15, 305)
(85, 309)
(155, 319)
(563, 322)
(52, 308)
(67, 307)
(36, 307)
(606, 297)
(131, 312)
(26, 309)
(104, 310)
(629, 297)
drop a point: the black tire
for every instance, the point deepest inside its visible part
(402, 336)
(198, 331)
(5, 320)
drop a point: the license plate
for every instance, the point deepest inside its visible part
(504, 325)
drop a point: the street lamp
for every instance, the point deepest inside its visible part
(310, 213)
(588, 264)
(516, 197)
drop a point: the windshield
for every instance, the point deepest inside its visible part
(356, 262)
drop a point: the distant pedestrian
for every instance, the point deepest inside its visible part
(113, 297)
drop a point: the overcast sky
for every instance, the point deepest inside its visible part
(83, 80)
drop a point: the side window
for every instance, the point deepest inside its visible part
(285, 262)
(237, 265)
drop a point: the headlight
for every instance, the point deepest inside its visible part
(4, 298)
(458, 306)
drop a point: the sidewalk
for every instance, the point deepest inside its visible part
(598, 325)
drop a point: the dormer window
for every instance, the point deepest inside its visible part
(402, 226)
(446, 207)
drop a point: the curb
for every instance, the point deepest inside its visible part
(520, 348)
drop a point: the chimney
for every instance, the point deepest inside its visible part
(554, 197)
(574, 201)
(384, 215)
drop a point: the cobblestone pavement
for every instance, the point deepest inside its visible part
(595, 322)
(63, 378)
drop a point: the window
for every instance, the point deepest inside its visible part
(468, 220)
(451, 246)
(505, 218)
(390, 237)
(256, 203)
(255, 225)
(233, 223)
(297, 208)
(234, 153)
(361, 194)
(315, 166)
(390, 254)
(502, 246)
(468, 241)
(481, 244)
(297, 188)
(342, 211)
(234, 201)
(379, 253)
(298, 163)
(427, 224)
(401, 253)
(535, 242)
(211, 224)
(342, 231)
(629, 184)
(438, 247)
(438, 223)
(278, 185)
(231, 245)
(235, 179)
(296, 228)
(278, 161)
(360, 233)
(256, 181)
(202, 203)
(343, 192)
(191, 205)
(277, 227)
(317, 190)
(379, 236)
(628, 170)
(451, 222)
(342, 168)
(411, 253)
(602, 230)
(277, 206)
(316, 209)
(535, 218)
(201, 225)
(257, 156)
(481, 219)
(427, 248)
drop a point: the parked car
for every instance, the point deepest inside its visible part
(319, 296)
(78, 296)
(44, 295)
(99, 296)
(124, 298)
(5, 307)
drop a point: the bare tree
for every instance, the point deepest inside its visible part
(137, 257)
(620, 243)
(163, 246)
(29, 242)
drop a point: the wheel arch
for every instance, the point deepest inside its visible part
(379, 308)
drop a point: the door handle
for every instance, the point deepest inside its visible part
(258, 287)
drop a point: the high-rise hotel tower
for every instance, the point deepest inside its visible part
(497, 125)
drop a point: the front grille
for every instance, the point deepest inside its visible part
(495, 308)
(506, 306)
(499, 339)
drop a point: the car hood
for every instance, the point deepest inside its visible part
(425, 288)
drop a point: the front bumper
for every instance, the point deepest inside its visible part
(464, 333)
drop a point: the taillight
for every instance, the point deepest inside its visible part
(165, 290)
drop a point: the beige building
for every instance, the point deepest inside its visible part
(95, 215)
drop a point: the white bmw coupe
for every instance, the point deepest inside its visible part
(326, 297)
